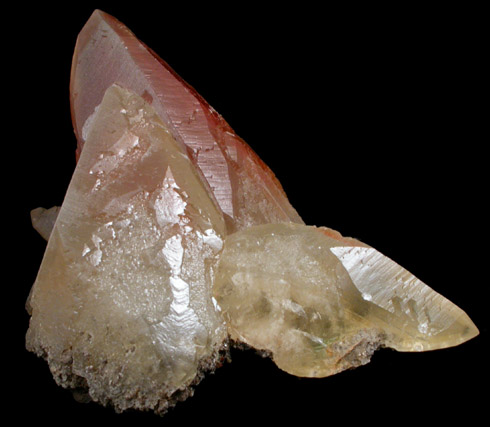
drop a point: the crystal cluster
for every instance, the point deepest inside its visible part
(175, 238)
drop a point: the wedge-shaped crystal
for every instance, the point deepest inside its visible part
(321, 303)
(108, 52)
(122, 303)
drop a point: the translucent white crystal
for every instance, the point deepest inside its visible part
(122, 303)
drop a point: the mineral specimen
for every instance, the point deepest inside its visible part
(175, 237)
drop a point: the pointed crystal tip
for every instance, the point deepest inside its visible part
(417, 318)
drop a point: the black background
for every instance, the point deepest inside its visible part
(370, 119)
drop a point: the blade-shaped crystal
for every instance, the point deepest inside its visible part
(122, 303)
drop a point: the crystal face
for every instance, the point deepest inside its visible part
(321, 305)
(175, 240)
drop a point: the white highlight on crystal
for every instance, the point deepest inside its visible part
(108, 162)
(88, 123)
(95, 257)
(293, 307)
(395, 289)
(173, 252)
(212, 239)
(127, 142)
(215, 303)
(180, 291)
(169, 205)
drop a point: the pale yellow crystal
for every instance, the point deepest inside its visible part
(320, 303)
(122, 302)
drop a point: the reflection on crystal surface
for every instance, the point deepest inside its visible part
(426, 319)
(169, 205)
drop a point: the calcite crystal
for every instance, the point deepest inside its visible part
(122, 301)
(174, 238)
(320, 304)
